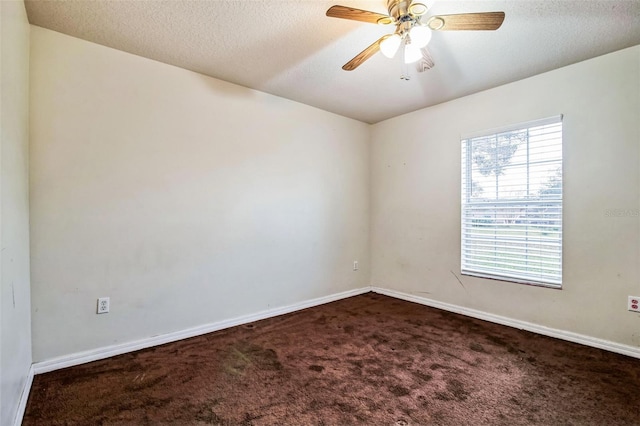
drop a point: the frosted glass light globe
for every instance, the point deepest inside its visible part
(412, 53)
(389, 46)
(420, 36)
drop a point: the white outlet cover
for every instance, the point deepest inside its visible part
(103, 305)
(634, 304)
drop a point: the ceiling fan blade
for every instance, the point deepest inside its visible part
(426, 62)
(345, 12)
(364, 55)
(467, 21)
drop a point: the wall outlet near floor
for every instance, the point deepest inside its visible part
(634, 305)
(355, 265)
(103, 305)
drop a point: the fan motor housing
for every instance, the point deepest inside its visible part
(398, 8)
(406, 12)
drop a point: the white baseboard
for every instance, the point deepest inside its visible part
(113, 350)
(631, 351)
(109, 351)
(24, 397)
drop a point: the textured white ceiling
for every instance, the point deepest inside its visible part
(291, 49)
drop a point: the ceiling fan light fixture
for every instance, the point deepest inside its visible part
(420, 36)
(413, 29)
(412, 53)
(389, 46)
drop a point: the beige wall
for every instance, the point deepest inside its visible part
(185, 199)
(15, 330)
(416, 198)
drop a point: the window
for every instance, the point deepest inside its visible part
(512, 203)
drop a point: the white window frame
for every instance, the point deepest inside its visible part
(492, 256)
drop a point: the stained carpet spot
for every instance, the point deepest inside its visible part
(444, 396)
(207, 415)
(317, 368)
(321, 320)
(358, 363)
(456, 388)
(399, 390)
(497, 340)
(316, 405)
(248, 419)
(376, 372)
(424, 402)
(477, 347)
(425, 377)
(379, 338)
(345, 408)
(245, 355)
(512, 350)
(504, 369)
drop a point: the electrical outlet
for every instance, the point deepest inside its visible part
(103, 305)
(634, 304)
(355, 265)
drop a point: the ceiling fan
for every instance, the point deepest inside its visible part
(413, 30)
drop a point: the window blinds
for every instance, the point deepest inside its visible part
(512, 203)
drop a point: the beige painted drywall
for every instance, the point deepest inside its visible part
(15, 330)
(185, 199)
(416, 198)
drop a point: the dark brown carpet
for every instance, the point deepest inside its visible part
(368, 359)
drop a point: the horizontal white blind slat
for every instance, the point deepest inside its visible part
(505, 249)
(512, 276)
(533, 255)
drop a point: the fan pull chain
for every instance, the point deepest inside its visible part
(404, 69)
